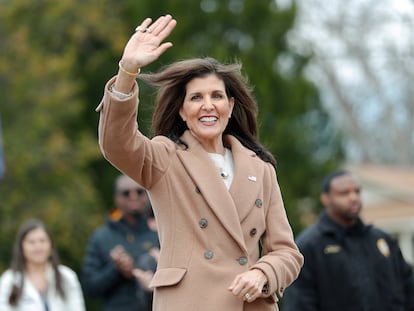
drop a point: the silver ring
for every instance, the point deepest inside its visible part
(148, 30)
(139, 28)
(247, 296)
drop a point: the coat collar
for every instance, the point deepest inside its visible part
(231, 207)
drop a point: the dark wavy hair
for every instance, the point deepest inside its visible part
(18, 263)
(171, 82)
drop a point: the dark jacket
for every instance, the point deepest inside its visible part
(360, 268)
(147, 263)
(100, 277)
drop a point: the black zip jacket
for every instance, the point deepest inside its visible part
(359, 268)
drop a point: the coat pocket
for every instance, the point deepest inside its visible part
(167, 277)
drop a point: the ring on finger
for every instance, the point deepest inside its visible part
(141, 29)
(148, 30)
(247, 296)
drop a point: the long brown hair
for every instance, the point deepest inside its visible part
(18, 263)
(171, 82)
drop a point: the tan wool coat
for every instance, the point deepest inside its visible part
(208, 234)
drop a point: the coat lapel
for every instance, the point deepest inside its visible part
(223, 203)
(248, 177)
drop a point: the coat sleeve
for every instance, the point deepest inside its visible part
(281, 260)
(124, 146)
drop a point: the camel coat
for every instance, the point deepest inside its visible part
(208, 234)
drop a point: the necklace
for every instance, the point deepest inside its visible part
(223, 173)
(223, 163)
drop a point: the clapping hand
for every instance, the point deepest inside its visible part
(123, 261)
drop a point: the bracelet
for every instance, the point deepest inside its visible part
(132, 74)
(118, 94)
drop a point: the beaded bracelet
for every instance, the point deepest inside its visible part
(132, 74)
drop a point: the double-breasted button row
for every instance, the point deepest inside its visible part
(209, 254)
(203, 223)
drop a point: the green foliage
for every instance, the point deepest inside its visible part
(48, 146)
(55, 59)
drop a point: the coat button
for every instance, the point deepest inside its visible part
(258, 203)
(242, 260)
(208, 254)
(253, 232)
(203, 223)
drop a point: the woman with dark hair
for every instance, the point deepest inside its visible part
(36, 281)
(226, 243)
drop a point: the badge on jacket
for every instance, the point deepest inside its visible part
(332, 249)
(382, 246)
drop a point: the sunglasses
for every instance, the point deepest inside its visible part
(126, 193)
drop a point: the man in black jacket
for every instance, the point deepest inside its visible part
(349, 265)
(115, 249)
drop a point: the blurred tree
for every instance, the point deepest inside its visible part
(363, 64)
(48, 144)
(57, 55)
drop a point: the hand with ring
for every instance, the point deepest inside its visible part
(146, 44)
(248, 285)
(139, 28)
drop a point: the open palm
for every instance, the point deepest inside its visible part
(146, 44)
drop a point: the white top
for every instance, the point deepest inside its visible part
(31, 299)
(224, 165)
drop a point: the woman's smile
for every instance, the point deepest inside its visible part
(208, 120)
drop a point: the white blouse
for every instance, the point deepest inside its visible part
(224, 165)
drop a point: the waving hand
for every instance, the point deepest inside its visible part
(144, 47)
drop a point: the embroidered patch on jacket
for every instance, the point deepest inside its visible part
(332, 249)
(383, 247)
